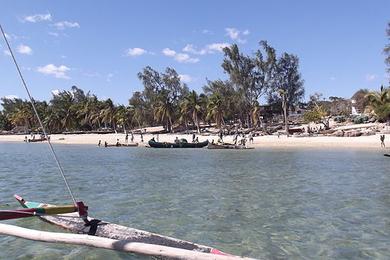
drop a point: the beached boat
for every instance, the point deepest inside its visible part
(36, 140)
(121, 145)
(227, 146)
(180, 144)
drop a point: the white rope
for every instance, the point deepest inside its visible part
(39, 119)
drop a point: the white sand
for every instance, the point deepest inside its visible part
(261, 141)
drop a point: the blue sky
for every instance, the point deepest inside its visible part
(101, 45)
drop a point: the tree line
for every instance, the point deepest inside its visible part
(166, 100)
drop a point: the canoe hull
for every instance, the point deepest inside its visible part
(73, 223)
(122, 145)
(228, 146)
(154, 144)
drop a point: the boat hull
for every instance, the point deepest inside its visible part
(122, 145)
(36, 140)
(73, 223)
(228, 146)
(177, 145)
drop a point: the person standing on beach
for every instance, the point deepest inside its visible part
(250, 136)
(193, 138)
(235, 138)
(127, 138)
(157, 137)
(142, 138)
(382, 138)
(132, 137)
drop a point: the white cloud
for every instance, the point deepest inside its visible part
(66, 24)
(58, 72)
(37, 18)
(191, 49)
(185, 58)
(11, 97)
(208, 49)
(135, 52)
(236, 34)
(371, 77)
(217, 46)
(24, 49)
(6, 53)
(185, 78)
(55, 92)
(54, 34)
(333, 78)
(179, 57)
(168, 52)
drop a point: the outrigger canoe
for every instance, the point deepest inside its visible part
(121, 145)
(387, 154)
(180, 144)
(36, 140)
(227, 146)
(72, 222)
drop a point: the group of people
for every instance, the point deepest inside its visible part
(236, 140)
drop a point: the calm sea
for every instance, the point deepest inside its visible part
(263, 203)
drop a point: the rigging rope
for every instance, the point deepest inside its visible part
(39, 119)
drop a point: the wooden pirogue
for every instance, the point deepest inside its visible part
(121, 145)
(181, 144)
(72, 222)
(227, 146)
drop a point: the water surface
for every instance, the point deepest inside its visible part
(263, 203)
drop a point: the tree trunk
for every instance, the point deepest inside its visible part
(284, 106)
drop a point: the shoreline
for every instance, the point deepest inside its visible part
(268, 141)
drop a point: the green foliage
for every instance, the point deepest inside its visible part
(165, 100)
(317, 114)
(379, 102)
(360, 119)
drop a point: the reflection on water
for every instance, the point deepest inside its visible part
(263, 203)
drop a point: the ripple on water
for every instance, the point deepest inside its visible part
(264, 203)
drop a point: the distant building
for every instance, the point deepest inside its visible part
(355, 111)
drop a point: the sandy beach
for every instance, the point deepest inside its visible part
(370, 142)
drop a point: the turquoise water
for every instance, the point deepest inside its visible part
(263, 203)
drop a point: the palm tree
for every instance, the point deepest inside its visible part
(379, 102)
(23, 115)
(123, 116)
(216, 109)
(164, 110)
(192, 105)
(107, 113)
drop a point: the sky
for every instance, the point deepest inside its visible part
(100, 46)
